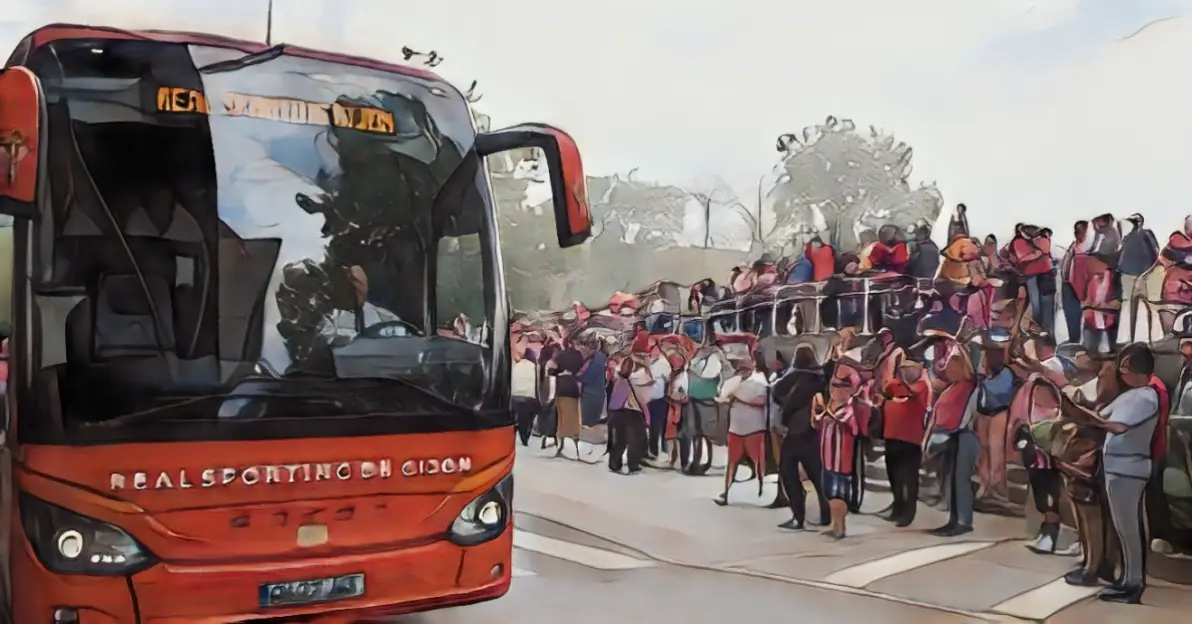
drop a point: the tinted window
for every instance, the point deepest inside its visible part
(260, 227)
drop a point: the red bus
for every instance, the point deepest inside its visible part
(259, 356)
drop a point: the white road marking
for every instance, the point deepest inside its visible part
(1040, 603)
(577, 553)
(520, 572)
(863, 574)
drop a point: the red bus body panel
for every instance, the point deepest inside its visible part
(216, 545)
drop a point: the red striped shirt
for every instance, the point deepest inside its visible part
(838, 439)
(1098, 294)
(1021, 248)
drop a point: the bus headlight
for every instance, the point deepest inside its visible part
(485, 517)
(68, 543)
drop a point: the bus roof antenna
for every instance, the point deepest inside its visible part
(269, 24)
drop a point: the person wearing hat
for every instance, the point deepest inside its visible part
(746, 393)
(1041, 374)
(794, 393)
(764, 271)
(1140, 251)
(950, 430)
(626, 417)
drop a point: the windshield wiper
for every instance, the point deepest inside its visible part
(171, 410)
(247, 60)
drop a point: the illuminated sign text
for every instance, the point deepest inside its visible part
(285, 110)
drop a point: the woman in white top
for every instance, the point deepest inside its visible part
(747, 394)
(524, 390)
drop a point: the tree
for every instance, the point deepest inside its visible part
(642, 212)
(726, 222)
(633, 221)
(538, 273)
(842, 181)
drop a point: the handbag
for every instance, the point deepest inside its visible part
(996, 393)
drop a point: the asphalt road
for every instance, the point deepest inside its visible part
(596, 547)
(668, 594)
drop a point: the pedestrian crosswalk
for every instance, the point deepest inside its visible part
(960, 576)
(529, 545)
(872, 571)
(986, 575)
(954, 576)
(577, 553)
(1041, 602)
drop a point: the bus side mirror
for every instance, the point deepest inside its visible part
(569, 186)
(22, 108)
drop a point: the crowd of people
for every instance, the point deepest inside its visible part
(665, 398)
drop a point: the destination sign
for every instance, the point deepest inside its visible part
(265, 474)
(285, 110)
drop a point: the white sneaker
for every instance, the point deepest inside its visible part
(1162, 547)
(1073, 550)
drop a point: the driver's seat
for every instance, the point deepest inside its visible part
(124, 322)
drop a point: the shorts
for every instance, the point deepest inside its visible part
(836, 485)
(752, 446)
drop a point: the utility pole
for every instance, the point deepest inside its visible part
(269, 25)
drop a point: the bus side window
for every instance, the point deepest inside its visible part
(459, 289)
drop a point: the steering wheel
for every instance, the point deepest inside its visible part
(390, 329)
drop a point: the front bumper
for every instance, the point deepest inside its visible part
(417, 578)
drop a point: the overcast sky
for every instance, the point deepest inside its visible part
(1044, 110)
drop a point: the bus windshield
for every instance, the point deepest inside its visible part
(230, 237)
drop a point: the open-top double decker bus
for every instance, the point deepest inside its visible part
(259, 354)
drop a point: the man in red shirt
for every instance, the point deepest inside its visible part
(1030, 252)
(904, 411)
(822, 257)
(889, 254)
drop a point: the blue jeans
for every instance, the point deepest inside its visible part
(1042, 306)
(657, 409)
(1072, 312)
(968, 447)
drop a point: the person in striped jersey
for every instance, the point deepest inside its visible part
(1041, 374)
(839, 428)
(1100, 304)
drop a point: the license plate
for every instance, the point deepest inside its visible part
(312, 591)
